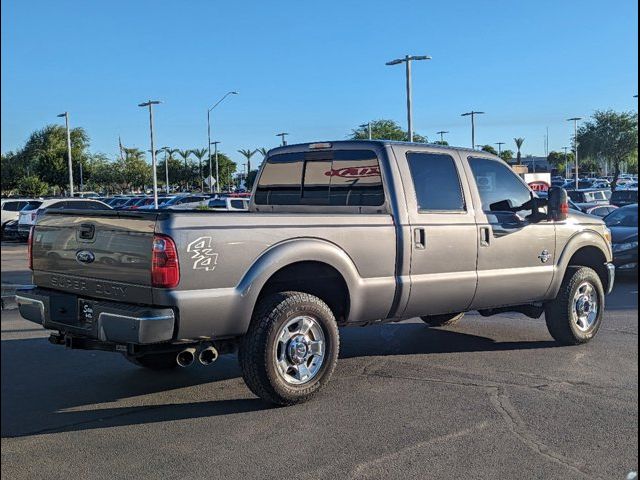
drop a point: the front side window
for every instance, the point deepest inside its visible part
(436, 182)
(499, 187)
(333, 178)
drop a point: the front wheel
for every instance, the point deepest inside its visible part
(575, 315)
(290, 349)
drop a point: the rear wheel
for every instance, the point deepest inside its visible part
(156, 361)
(575, 315)
(443, 320)
(290, 349)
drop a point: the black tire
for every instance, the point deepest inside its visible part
(443, 320)
(560, 313)
(156, 361)
(257, 353)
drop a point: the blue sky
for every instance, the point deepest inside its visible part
(314, 69)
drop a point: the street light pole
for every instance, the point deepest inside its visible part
(215, 148)
(441, 133)
(407, 61)
(368, 125)
(282, 135)
(473, 125)
(575, 142)
(70, 164)
(209, 139)
(566, 157)
(150, 104)
(500, 148)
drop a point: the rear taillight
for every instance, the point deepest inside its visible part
(564, 209)
(165, 269)
(30, 248)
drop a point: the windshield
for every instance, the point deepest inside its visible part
(623, 217)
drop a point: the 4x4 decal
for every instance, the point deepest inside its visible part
(202, 254)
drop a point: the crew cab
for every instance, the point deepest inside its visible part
(337, 234)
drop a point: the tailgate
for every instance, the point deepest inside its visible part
(103, 254)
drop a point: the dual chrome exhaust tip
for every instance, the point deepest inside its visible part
(187, 357)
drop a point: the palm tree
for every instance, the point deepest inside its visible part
(200, 154)
(519, 142)
(185, 156)
(132, 153)
(169, 153)
(263, 151)
(248, 154)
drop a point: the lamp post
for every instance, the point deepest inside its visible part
(472, 114)
(70, 165)
(282, 135)
(566, 157)
(215, 149)
(209, 139)
(407, 61)
(500, 148)
(368, 125)
(575, 143)
(150, 104)
(441, 133)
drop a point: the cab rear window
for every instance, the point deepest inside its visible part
(333, 178)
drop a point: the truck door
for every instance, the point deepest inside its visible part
(516, 253)
(443, 231)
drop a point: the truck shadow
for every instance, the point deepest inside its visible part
(47, 389)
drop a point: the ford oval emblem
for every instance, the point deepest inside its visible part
(85, 256)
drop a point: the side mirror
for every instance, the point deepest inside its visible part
(558, 204)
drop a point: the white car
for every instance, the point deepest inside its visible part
(224, 204)
(29, 214)
(12, 206)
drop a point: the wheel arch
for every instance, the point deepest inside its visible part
(310, 265)
(585, 249)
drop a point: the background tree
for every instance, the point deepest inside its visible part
(32, 186)
(558, 161)
(227, 169)
(441, 142)
(12, 171)
(519, 142)
(251, 178)
(133, 170)
(101, 174)
(200, 153)
(506, 155)
(186, 170)
(385, 130)
(246, 153)
(45, 154)
(489, 149)
(612, 136)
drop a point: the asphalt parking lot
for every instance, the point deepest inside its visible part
(488, 398)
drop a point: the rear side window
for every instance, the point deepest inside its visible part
(436, 182)
(13, 206)
(334, 178)
(498, 185)
(217, 203)
(238, 204)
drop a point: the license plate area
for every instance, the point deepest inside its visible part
(86, 313)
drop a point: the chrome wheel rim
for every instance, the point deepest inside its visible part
(299, 350)
(585, 306)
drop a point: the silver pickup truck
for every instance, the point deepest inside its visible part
(337, 234)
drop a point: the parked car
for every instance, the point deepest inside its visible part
(184, 199)
(117, 202)
(621, 198)
(10, 230)
(589, 196)
(30, 213)
(623, 224)
(342, 233)
(11, 207)
(600, 210)
(130, 201)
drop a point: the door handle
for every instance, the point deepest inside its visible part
(419, 238)
(485, 236)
